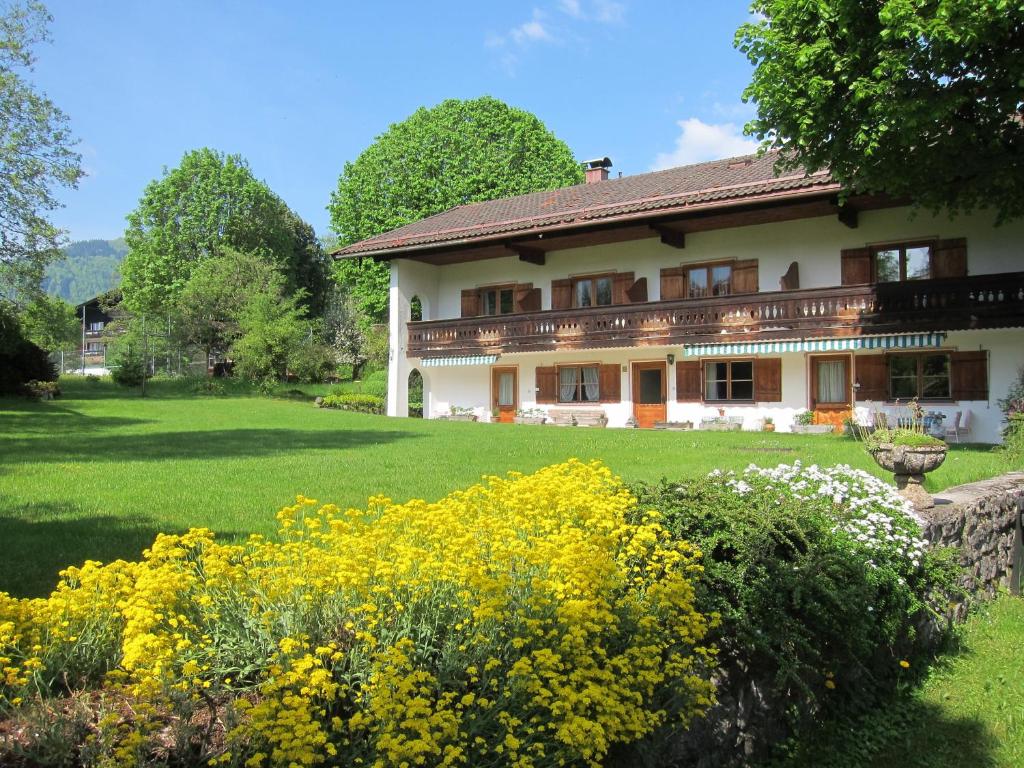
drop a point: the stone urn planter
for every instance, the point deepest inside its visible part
(909, 464)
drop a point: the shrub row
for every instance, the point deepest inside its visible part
(352, 402)
(523, 622)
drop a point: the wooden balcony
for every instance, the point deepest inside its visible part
(982, 301)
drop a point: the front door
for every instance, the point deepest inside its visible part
(649, 394)
(831, 393)
(503, 394)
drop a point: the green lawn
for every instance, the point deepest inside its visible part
(99, 472)
(968, 712)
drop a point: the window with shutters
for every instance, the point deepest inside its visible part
(592, 291)
(708, 280)
(729, 380)
(903, 261)
(498, 300)
(924, 376)
(579, 384)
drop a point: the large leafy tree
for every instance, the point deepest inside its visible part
(455, 153)
(36, 155)
(916, 98)
(210, 202)
(50, 322)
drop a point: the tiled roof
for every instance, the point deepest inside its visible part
(724, 182)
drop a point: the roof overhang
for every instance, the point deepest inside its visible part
(671, 225)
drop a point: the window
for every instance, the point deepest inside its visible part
(497, 301)
(578, 384)
(97, 326)
(592, 291)
(906, 261)
(729, 380)
(925, 377)
(708, 280)
(831, 382)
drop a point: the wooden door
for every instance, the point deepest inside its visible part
(831, 392)
(504, 389)
(649, 394)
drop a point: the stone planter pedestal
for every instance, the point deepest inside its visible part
(909, 464)
(813, 429)
(529, 419)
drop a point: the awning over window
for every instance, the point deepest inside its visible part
(896, 341)
(436, 362)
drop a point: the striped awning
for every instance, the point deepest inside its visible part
(436, 362)
(895, 341)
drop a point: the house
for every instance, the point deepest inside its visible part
(94, 318)
(718, 289)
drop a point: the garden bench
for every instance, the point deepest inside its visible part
(578, 417)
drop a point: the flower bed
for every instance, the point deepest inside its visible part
(534, 620)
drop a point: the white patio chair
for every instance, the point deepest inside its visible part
(961, 426)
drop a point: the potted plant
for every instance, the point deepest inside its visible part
(458, 413)
(768, 424)
(909, 454)
(530, 416)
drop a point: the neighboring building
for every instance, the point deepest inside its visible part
(715, 288)
(93, 345)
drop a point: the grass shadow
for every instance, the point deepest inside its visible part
(197, 444)
(51, 418)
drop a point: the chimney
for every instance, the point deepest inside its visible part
(597, 170)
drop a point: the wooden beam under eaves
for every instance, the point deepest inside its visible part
(848, 216)
(672, 237)
(529, 254)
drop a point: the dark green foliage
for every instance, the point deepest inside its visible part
(354, 402)
(50, 323)
(21, 361)
(455, 153)
(311, 363)
(802, 615)
(88, 268)
(128, 368)
(916, 98)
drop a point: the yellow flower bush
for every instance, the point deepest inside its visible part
(532, 620)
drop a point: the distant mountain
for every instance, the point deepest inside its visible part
(89, 268)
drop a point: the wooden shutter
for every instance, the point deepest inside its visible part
(561, 294)
(621, 283)
(610, 383)
(791, 280)
(547, 384)
(527, 298)
(949, 258)
(768, 380)
(744, 276)
(872, 374)
(470, 302)
(638, 291)
(673, 283)
(856, 266)
(688, 380)
(968, 375)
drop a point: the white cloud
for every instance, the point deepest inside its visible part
(530, 31)
(609, 12)
(700, 141)
(571, 7)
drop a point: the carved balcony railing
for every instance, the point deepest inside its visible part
(982, 301)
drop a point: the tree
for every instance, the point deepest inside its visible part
(36, 156)
(344, 332)
(456, 153)
(210, 202)
(914, 98)
(272, 328)
(50, 323)
(208, 308)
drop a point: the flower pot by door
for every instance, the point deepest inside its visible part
(503, 394)
(649, 394)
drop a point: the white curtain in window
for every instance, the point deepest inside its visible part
(590, 384)
(505, 394)
(567, 384)
(831, 381)
(710, 382)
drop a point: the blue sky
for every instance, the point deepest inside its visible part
(299, 88)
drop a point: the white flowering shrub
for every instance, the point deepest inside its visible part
(820, 577)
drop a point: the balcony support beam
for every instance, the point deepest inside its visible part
(848, 216)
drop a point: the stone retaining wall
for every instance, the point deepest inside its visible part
(983, 521)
